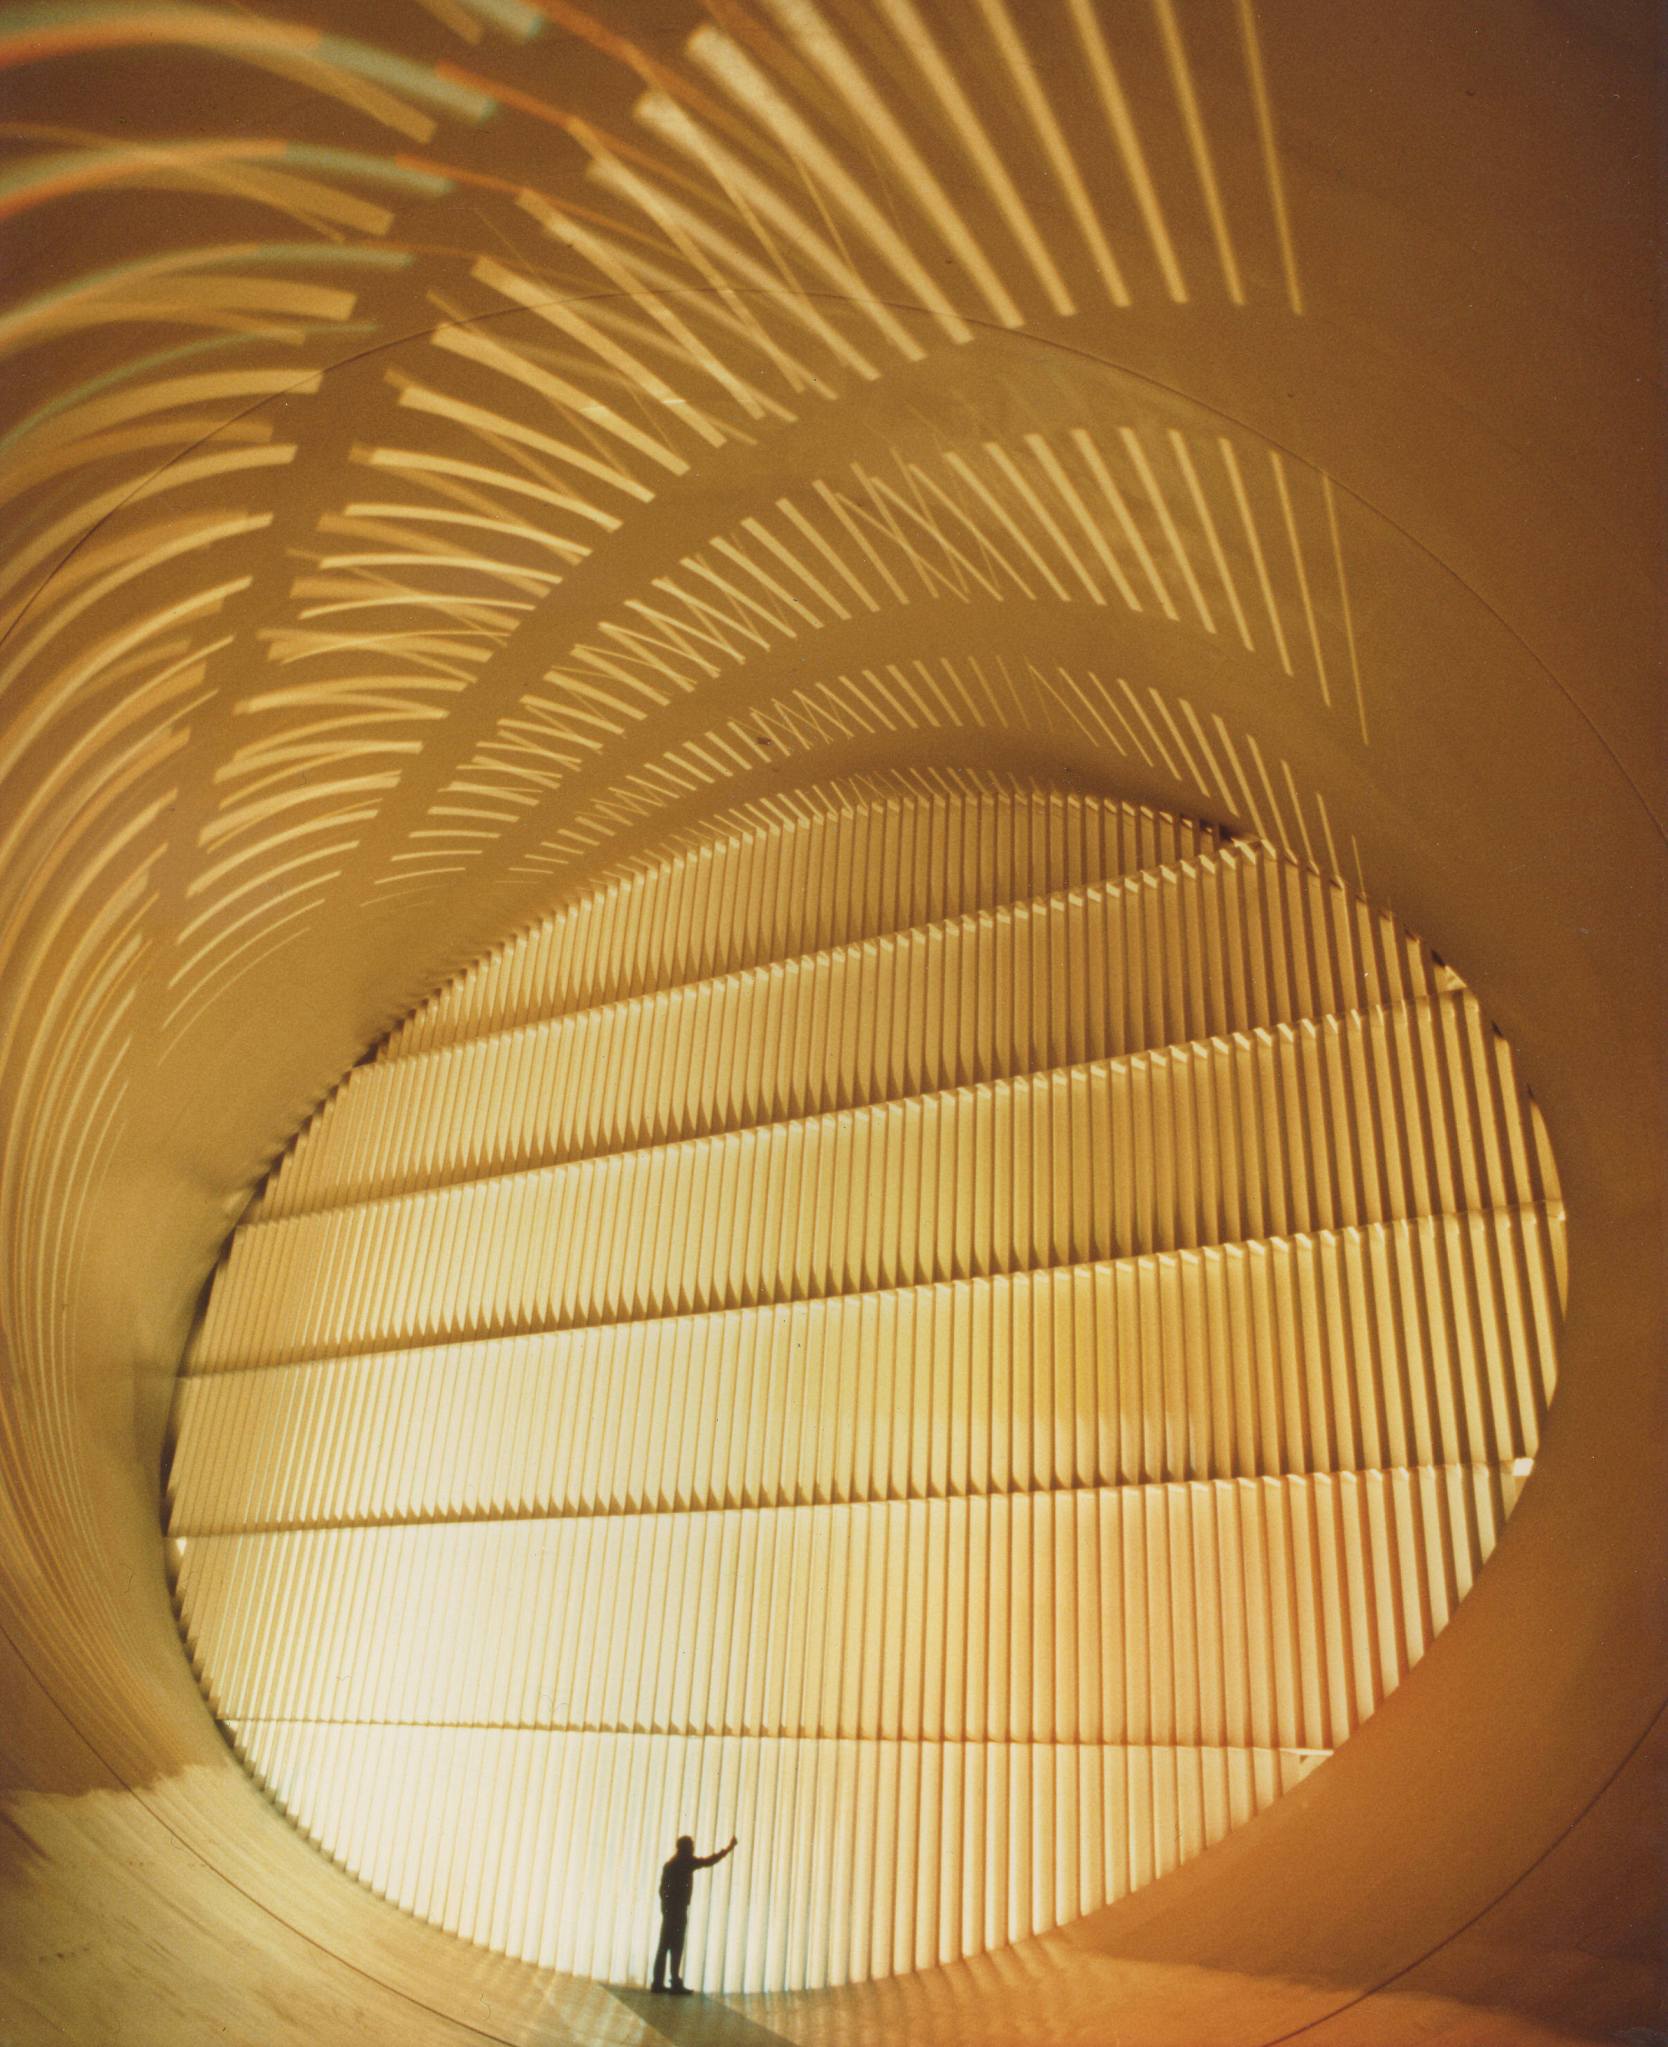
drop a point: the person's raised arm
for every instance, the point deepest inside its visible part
(718, 1855)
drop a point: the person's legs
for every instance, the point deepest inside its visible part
(666, 1948)
(675, 1930)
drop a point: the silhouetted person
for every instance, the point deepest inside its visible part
(677, 1881)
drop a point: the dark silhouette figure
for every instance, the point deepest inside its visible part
(677, 1881)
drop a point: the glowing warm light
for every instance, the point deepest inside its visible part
(973, 1340)
(970, 1333)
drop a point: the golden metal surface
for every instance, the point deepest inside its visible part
(460, 455)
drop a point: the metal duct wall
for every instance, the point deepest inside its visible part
(970, 1340)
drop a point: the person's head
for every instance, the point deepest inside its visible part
(686, 1845)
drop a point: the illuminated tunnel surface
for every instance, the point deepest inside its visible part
(974, 1338)
(468, 464)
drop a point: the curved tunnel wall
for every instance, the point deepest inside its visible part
(1415, 321)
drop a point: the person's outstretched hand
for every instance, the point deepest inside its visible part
(732, 1843)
